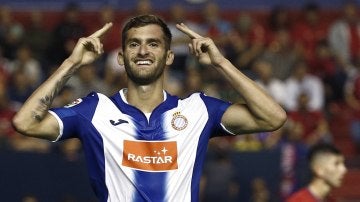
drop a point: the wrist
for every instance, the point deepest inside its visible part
(71, 63)
(222, 63)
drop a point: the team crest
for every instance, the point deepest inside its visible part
(179, 122)
(75, 102)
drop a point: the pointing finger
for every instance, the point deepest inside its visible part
(186, 30)
(102, 31)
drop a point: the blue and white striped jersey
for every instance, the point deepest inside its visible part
(133, 158)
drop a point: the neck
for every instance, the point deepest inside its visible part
(319, 189)
(145, 97)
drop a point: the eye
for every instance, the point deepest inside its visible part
(154, 44)
(133, 44)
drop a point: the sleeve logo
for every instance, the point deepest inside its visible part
(150, 156)
(75, 102)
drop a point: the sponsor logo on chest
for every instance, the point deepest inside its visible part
(153, 156)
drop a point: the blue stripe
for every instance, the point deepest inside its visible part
(94, 153)
(151, 185)
(199, 161)
(215, 109)
(77, 123)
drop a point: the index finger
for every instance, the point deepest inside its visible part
(186, 30)
(102, 31)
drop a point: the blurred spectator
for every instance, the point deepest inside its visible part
(179, 40)
(114, 74)
(11, 32)
(312, 124)
(4, 68)
(19, 88)
(327, 165)
(111, 43)
(279, 19)
(309, 30)
(65, 35)
(86, 80)
(217, 187)
(26, 63)
(173, 85)
(303, 82)
(344, 34)
(71, 149)
(214, 25)
(282, 54)
(352, 99)
(37, 36)
(325, 66)
(260, 191)
(29, 198)
(264, 74)
(143, 7)
(193, 81)
(112, 39)
(247, 42)
(247, 143)
(292, 158)
(7, 111)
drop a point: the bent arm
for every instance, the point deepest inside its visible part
(260, 112)
(33, 119)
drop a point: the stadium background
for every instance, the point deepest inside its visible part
(32, 169)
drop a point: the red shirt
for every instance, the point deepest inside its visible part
(308, 119)
(303, 195)
(308, 36)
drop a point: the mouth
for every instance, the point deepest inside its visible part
(143, 62)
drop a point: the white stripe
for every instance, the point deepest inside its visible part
(61, 125)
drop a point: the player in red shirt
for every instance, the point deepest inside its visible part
(328, 169)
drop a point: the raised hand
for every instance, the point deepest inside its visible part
(203, 48)
(89, 48)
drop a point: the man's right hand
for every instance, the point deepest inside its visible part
(89, 48)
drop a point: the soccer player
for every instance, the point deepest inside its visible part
(143, 144)
(328, 169)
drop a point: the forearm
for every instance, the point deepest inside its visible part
(36, 106)
(259, 103)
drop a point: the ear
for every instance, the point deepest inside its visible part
(120, 58)
(169, 58)
(317, 170)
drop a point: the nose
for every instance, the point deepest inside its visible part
(143, 50)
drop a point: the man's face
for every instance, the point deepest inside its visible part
(332, 169)
(145, 55)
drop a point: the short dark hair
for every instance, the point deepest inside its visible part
(322, 148)
(143, 20)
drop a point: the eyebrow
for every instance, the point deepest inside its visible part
(149, 40)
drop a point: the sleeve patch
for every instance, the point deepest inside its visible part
(75, 102)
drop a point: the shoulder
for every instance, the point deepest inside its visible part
(301, 195)
(203, 98)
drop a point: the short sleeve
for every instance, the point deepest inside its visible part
(74, 118)
(216, 109)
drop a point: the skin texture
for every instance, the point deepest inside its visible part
(145, 56)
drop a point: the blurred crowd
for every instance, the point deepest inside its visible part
(309, 64)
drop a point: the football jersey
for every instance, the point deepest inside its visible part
(134, 158)
(303, 195)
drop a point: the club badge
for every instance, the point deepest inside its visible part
(179, 122)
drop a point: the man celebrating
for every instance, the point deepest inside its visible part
(143, 144)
